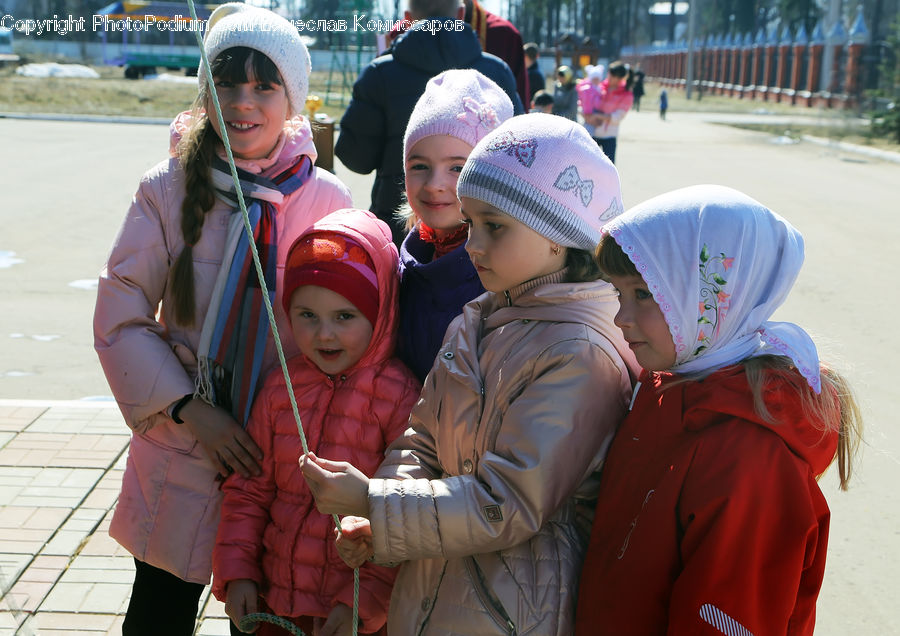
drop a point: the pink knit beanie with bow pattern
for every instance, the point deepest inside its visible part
(546, 172)
(461, 103)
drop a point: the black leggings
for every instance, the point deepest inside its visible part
(161, 603)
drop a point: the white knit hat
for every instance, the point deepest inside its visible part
(237, 24)
(546, 172)
(461, 103)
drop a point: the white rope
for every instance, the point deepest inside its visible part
(210, 82)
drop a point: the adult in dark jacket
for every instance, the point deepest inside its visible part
(497, 36)
(565, 97)
(536, 80)
(384, 95)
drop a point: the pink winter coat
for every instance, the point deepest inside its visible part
(616, 104)
(168, 508)
(589, 97)
(271, 531)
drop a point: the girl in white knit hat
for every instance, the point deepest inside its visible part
(458, 108)
(482, 499)
(179, 324)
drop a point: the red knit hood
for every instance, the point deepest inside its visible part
(726, 394)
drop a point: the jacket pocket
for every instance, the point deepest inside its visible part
(490, 602)
(165, 433)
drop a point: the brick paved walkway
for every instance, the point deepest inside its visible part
(61, 464)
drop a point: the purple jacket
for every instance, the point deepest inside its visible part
(432, 294)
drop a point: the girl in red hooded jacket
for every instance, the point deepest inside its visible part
(274, 552)
(709, 517)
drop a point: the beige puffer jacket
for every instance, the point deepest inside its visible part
(514, 422)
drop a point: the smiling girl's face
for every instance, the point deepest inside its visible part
(329, 330)
(254, 105)
(432, 170)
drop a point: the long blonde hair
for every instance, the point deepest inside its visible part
(836, 406)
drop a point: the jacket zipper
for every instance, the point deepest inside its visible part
(492, 605)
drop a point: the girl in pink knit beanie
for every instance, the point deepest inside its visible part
(458, 108)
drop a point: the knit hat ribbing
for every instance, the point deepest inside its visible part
(461, 103)
(336, 262)
(237, 24)
(547, 172)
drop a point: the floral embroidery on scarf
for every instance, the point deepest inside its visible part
(569, 179)
(475, 115)
(522, 149)
(714, 301)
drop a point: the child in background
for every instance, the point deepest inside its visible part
(274, 552)
(542, 103)
(480, 498)
(565, 97)
(184, 212)
(458, 108)
(663, 104)
(615, 101)
(589, 95)
(709, 518)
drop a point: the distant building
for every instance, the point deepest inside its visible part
(661, 20)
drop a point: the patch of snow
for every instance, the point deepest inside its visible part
(784, 140)
(168, 77)
(52, 69)
(8, 259)
(89, 284)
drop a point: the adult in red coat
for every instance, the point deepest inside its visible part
(501, 38)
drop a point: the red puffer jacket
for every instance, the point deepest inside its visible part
(270, 530)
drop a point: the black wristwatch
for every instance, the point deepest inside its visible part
(178, 406)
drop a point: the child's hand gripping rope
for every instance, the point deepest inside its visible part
(248, 622)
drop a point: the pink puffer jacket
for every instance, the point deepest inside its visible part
(168, 508)
(271, 531)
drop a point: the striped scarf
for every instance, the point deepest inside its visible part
(233, 338)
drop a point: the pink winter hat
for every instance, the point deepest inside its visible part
(547, 172)
(461, 103)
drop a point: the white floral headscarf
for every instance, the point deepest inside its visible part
(718, 264)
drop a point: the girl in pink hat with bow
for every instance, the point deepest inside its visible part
(482, 500)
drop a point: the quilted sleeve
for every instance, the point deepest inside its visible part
(246, 504)
(544, 449)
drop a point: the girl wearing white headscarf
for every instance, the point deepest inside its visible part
(709, 518)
